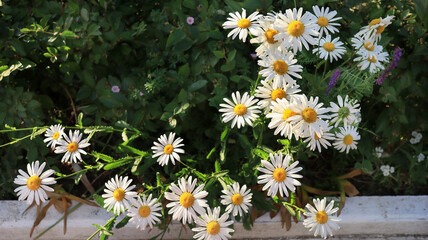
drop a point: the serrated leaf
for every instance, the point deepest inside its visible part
(102, 156)
(262, 154)
(118, 163)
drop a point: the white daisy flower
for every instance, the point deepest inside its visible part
(279, 65)
(265, 37)
(118, 194)
(326, 20)
(237, 199)
(320, 218)
(34, 183)
(346, 139)
(310, 116)
(273, 91)
(375, 28)
(186, 200)
(241, 110)
(316, 141)
(328, 48)
(213, 227)
(373, 63)
(280, 118)
(278, 175)
(241, 24)
(167, 148)
(145, 212)
(344, 112)
(296, 30)
(366, 48)
(72, 146)
(53, 135)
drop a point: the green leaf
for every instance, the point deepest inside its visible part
(262, 154)
(84, 14)
(102, 156)
(93, 30)
(136, 163)
(189, 4)
(197, 85)
(175, 37)
(99, 200)
(79, 119)
(68, 34)
(18, 47)
(129, 149)
(224, 134)
(118, 163)
(123, 223)
(290, 209)
(220, 173)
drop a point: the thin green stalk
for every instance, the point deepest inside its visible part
(325, 69)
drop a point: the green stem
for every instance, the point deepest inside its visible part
(296, 207)
(325, 69)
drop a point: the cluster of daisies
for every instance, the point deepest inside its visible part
(35, 182)
(186, 197)
(281, 35)
(295, 115)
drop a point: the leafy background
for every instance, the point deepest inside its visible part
(60, 58)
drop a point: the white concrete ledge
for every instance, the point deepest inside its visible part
(399, 217)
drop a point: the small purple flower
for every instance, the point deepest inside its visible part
(397, 56)
(333, 79)
(115, 89)
(253, 55)
(141, 94)
(190, 20)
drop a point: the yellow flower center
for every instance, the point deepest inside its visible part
(380, 29)
(55, 136)
(328, 46)
(237, 199)
(280, 67)
(213, 228)
(119, 194)
(348, 139)
(168, 149)
(278, 93)
(371, 59)
(244, 23)
(309, 115)
(321, 217)
(72, 147)
(296, 28)
(322, 21)
(240, 109)
(288, 113)
(270, 33)
(187, 199)
(279, 174)
(374, 22)
(369, 46)
(144, 211)
(34, 182)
